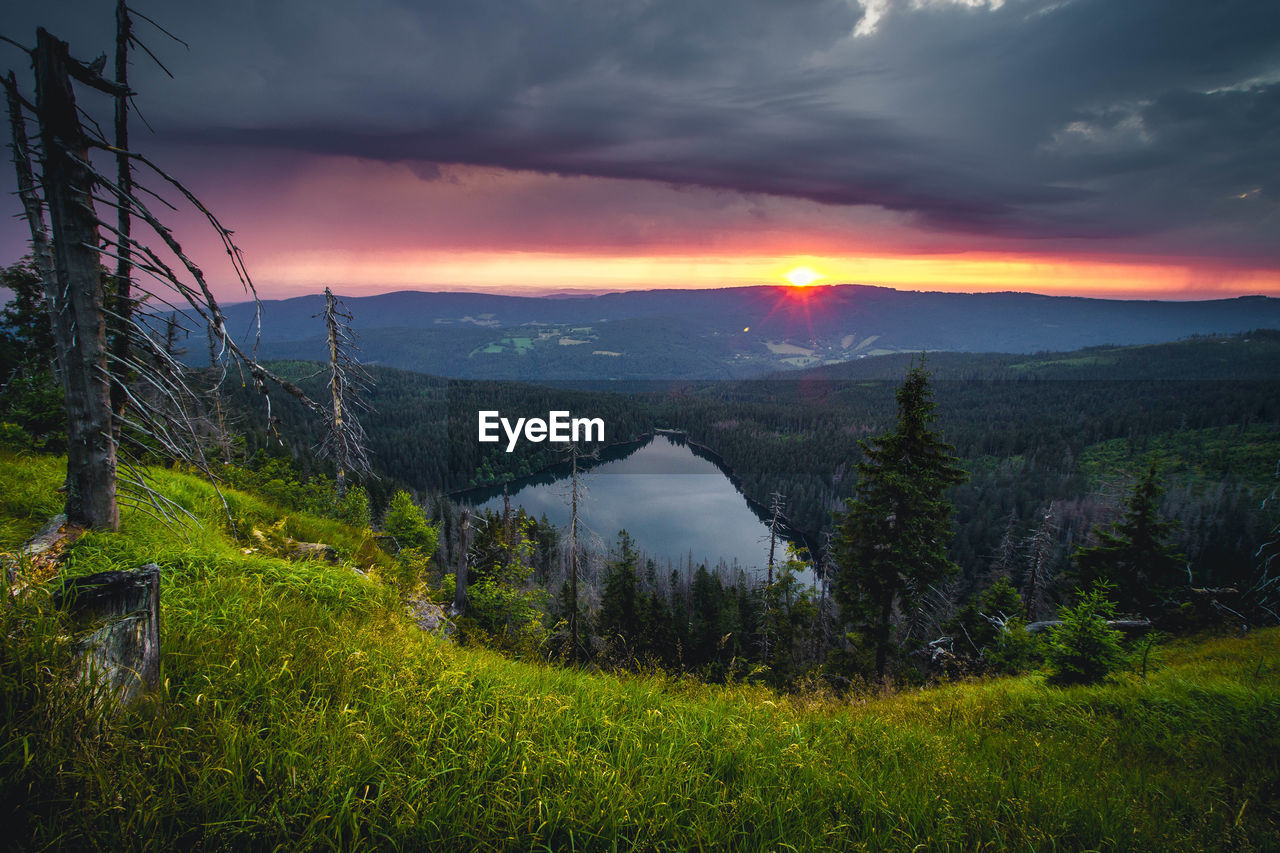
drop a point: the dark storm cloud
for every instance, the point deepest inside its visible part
(1028, 119)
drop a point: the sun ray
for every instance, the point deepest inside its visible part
(803, 276)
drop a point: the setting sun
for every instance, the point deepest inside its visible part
(803, 276)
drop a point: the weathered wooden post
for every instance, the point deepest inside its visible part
(120, 611)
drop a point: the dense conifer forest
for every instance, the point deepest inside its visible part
(1055, 435)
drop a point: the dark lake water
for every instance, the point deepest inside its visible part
(673, 499)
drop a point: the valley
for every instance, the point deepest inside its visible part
(732, 333)
(1058, 433)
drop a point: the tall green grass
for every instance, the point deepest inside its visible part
(302, 710)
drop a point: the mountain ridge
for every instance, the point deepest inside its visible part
(726, 333)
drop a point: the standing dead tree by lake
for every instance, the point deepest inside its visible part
(124, 389)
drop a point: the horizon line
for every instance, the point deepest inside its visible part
(534, 292)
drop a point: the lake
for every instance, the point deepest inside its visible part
(674, 499)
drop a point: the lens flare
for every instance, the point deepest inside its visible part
(803, 276)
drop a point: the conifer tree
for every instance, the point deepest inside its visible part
(1133, 557)
(790, 618)
(416, 539)
(893, 534)
(29, 393)
(408, 526)
(620, 602)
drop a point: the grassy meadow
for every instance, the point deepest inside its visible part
(302, 709)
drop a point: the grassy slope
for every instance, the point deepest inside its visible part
(302, 709)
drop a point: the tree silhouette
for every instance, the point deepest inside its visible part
(1133, 557)
(620, 601)
(893, 534)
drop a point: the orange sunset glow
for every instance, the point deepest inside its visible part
(367, 227)
(534, 272)
(803, 276)
(539, 189)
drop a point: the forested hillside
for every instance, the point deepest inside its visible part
(1049, 440)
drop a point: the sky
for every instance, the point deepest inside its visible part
(1122, 148)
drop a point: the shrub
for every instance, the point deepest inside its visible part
(405, 523)
(1015, 649)
(353, 508)
(415, 538)
(1084, 649)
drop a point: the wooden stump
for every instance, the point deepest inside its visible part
(120, 614)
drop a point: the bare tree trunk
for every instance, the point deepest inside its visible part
(1122, 624)
(91, 449)
(573, 562)
(882, 635)
(119, 320)
(775, 507)
(1039, 577)
(223, 434)
(33, 209)
(345, 440)
(823, 631)
(335, 386)
(460, 568)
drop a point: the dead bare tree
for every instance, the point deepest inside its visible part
(79, 327)
(777, 502)
(345, 440)
(1262, 597)
(576, 492)
(32, 204)
(1007, 552)
(1040, 574)
(158, 408)
(118, 321)
(221, 419)
(825, 617)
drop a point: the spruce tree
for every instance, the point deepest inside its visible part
(407, 525)
(620, 601)
(894, 533)
(1133, 556)
(29, 392)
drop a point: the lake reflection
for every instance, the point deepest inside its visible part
(674, 503)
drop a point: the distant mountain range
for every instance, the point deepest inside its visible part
(725, 333)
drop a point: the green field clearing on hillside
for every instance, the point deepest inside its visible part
(520, 345)
(302, 709)
(1198, 457)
